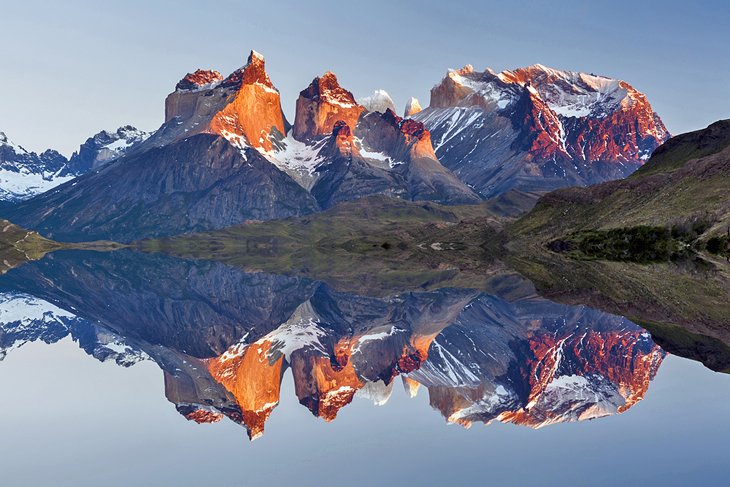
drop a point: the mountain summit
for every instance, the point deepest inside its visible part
(245, 107)
(321, 104)
(538, 128)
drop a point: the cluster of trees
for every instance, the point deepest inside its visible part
(645, 243)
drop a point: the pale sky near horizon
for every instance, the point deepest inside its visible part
(72, 68)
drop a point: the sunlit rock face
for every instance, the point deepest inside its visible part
(245, 107)
(538, 128)
(320, 105)
(254, 379)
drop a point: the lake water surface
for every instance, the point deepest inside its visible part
(127, 368)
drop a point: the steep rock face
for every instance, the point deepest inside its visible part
(538, 128)
(603, 119)
(322, 385)
(24, 174)
(196, 184)
(184, 101)
(413, 106)
(344, 174)
(408, 145)
(320, 105)
(245, 107)
(564, 366)
(253, 380)
(379, 101)
(255, 113)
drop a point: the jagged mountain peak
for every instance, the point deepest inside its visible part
(104, 147)
(320, 105)
(244, 108)
(327, 88)
(254, 72)
(24, 174)
(6, 142)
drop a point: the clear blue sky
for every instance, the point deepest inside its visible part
(72, 68)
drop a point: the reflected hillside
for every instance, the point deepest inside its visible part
(224, 338)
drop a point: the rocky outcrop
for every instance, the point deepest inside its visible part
(200, 79)
(245, 107)
(320, 105)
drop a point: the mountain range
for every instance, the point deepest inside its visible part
(24, 174)
(226, 153)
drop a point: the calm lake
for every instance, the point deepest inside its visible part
(128, 368)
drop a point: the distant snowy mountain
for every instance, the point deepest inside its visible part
(103, 148)
(379, 101)
(25, 174)
(413, 106)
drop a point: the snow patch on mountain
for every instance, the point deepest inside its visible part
(298, 159)
(23, 310)
(25, 174)
(379, 101)
(24, 184)
(377, 392)
(302, 330)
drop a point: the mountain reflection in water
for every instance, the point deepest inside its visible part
(225, 338)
